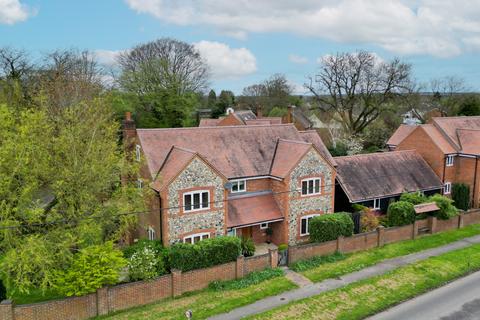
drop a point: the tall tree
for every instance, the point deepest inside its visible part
(211, 99)
(225, 100)
(272, 92)
(357, 87)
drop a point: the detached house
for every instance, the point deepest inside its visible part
(258, 181)
(239, 118)
(451, 146)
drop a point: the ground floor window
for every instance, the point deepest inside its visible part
(232, 232)
(376, 204)
(194, 238)
(304, 222)
(151, 233)
(264, 226)
(447, 188)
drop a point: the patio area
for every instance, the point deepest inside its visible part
(262, 248)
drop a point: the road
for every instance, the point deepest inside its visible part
(459, 300)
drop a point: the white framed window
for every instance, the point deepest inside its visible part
(264, 226)
(194, 238)
(196, 200)
(239, 186)
(232, 232)
(138, 152)
(304, 222)
(311, 186)
(447, 188)
(376, 203)
(151, 233)
(449, 160)
(139, 183)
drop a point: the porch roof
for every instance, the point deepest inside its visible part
(252, 209)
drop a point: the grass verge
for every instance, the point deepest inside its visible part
(360, 260)
(212, 301)
(373, 295)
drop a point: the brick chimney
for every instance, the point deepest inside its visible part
(289, 113)
(259, 112)
(129, 130)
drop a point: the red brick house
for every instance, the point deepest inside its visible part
(233, 180)
(451, 146)
(239, 118)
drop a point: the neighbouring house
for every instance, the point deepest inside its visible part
(451, 146)
(375, 179)
(239, 118)
(260, 181)
(401, 133)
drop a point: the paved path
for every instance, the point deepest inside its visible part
(330, 284)
(458, 300)
(296, 278)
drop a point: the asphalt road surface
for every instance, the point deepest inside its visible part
(459, 300)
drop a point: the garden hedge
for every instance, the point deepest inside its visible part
(204, 254)
(447, 209)
(414, 198)
(461, 196)
(400, 213)
(330, 226)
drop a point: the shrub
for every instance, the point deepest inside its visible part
(414, 198)
(248, 247)
(3, 291)
(330, 226)
(400, 213)
(92, 268)
(138, 246)
(359, 208)
(283, 247)
(461, 196)
(369, 222)
(316, 261)
(146, 263)
(447, 209)
(203, 254)
(251, 279)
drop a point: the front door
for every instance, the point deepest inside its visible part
(247, 232)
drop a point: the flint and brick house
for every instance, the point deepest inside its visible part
(451, 146)
(233, 180)
(375, 179)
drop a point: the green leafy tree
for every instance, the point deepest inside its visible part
(225, 100)
(277, 112)
(470, 106)
(461, 196)
(92, 268)
(447, 209)
(211, 99)
(414, 198)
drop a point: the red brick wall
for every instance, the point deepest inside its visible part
(199, 279)
(398, 233)
(305, 251)
(443, 225)
(361, 241)
(256, 263)
(259, 185)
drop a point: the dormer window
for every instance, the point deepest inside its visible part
(239, 186)
(311, 186)
(449, 160)
(138, 151)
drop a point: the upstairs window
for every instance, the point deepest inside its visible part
(239, 186)
(447, 188)
(449, 160)
(194, 238)
(138, 151)
(151, 233)
(310, 186)
(196, 200)
(304, 224)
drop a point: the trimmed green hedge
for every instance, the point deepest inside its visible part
(204, 254)
(414, 198)
(400, 213)
(330, 226)
(461, 196)
(447, 209)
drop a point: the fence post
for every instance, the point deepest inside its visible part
(102, 301)
(177, 288)
(273, 257)
(415, 229)
(460, 221)
(432, 224)
(340, 243)
(239, 267)
(6, 310)
(380, 236)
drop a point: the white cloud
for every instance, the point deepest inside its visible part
(12, 11)
(297, 59)
(107, 57)
(226, 62)
(433, 27)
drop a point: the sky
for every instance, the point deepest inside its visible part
(246, 41)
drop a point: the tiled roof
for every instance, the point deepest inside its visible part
(235, 151)
(469, 141)
(377, 175)
(450, 125)
(426, 207)
(204, 122)
(438, 138)
(312, 137)
(287, 155)
(401, 133)
(301, 118)
(176, 160)
(240, 210)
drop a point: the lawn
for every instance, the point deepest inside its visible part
(373, 295)
(320, 269)
(205, 303)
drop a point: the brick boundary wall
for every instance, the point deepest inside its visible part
(124, 296)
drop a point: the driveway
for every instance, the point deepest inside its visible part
(459, 300)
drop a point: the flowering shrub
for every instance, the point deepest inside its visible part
(369, 221)
(146, 263)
